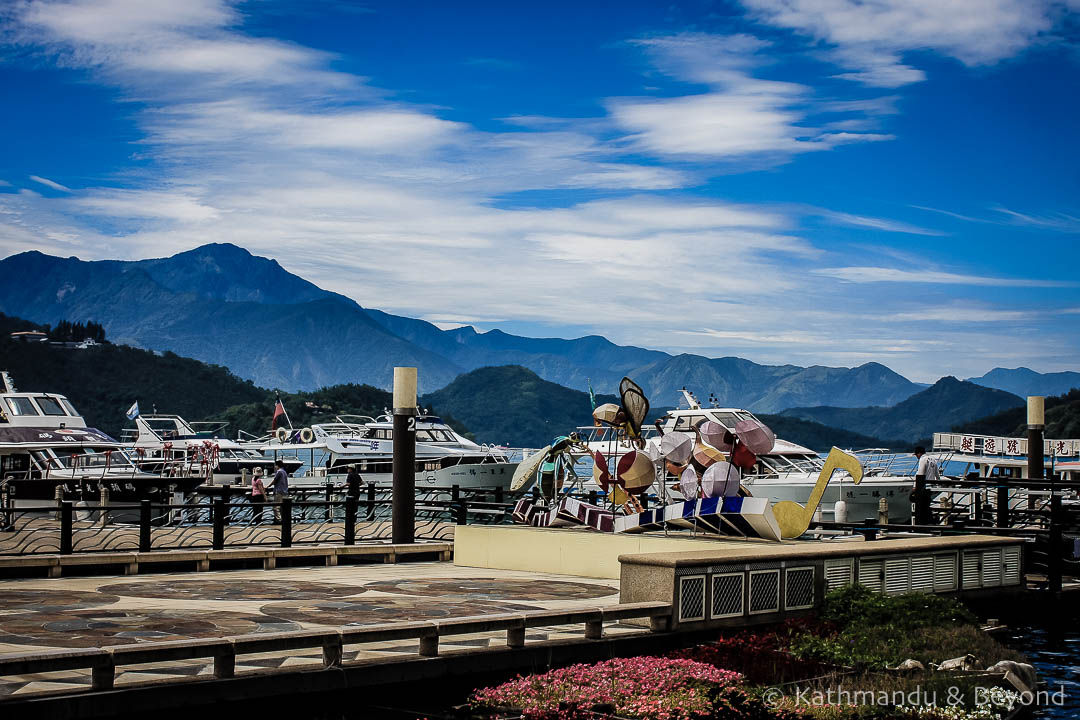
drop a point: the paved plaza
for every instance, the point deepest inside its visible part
(101, 611)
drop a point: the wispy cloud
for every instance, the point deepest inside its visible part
(49, 183)
(1057, 222)
(896, 275)
(871, 38)
(877, 223)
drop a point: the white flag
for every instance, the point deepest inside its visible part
(133, 411)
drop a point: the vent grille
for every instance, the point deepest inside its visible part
(799, 588)
(692, 598)
(991, 568)
(945, 572)
(764, 591)
(896, 576)
(727, 595)
(871, 574)
(839, 573)
(922, 573)
(1011, 562)
(971, 570)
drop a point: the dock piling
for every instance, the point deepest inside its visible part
(219, 524)
(144, 526)
(350, 520)
(404, 464)
(286, 522)
(66, 515)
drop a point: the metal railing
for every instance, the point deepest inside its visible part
(228, 518)
(102, 662)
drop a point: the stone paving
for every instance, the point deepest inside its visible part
(100, 611)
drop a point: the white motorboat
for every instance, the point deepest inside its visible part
(45, 444)
(788, 472)
(443, 457)
(169, 445)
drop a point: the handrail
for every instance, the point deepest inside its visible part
(102, 662)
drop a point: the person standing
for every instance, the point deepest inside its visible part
(280, 487)
(258, 496)
(352, 482)
(927, 472)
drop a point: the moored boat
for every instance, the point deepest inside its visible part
(46, 447)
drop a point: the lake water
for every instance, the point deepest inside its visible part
(1054, 650)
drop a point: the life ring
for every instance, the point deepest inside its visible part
(307, 436)
(282, 434)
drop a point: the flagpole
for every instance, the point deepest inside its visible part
(286, 412)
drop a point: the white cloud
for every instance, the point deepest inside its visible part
(740, 115)
(154, 205)
(49, 183)
(895, 275)
(871, 36)
(394, 205)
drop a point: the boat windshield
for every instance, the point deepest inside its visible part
(21, 406)
(50, 406)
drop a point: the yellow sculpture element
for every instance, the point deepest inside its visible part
(618, 495)
(792, 517)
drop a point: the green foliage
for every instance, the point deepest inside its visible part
(945, 404)
(875, 630)
(820, 437)
(306, 408)
(858, 605)
(102, 381)
(511, 405)
(1062, 419)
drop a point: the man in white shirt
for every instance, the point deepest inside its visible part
(927, 472)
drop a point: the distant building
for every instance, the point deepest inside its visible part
(29, 336)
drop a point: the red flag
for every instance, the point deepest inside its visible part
(279, 410)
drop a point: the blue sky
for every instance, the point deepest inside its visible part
(803, 181)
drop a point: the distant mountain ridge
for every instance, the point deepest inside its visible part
(1024, 381)
(221, 304)
(946, 403)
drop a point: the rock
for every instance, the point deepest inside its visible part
(967, 662)
(1021, 676)
(909, 664)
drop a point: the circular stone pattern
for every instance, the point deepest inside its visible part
(232, 589)
(41, 599)
(372, 611)
(494, 589)
(98, 628)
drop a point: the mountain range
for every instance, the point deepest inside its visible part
(1023, 381)
(220, 304)
(938, 408)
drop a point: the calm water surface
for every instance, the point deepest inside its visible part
(1055, 653)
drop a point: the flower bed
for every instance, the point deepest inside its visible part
(641, 687)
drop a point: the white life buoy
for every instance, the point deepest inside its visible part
(282, 434)
(307, 436)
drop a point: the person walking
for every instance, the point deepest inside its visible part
(927, 472)
(280, 487)
(258, 496)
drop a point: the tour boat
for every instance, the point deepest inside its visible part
(46, 448)
(170, 445)
(443, 457)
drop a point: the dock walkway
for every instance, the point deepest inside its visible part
(43, 615)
